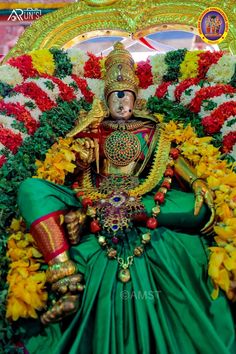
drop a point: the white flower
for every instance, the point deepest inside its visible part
(20, 98)
(233, 152)
(146, 93)
(10, 75)
(223, 70)
(97, 87)
(218, 100)
(171, 92)
(227, 127)
(78, 58)
(159, 67)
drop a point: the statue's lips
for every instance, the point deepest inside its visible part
(122, 112)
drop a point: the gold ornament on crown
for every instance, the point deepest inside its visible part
(120, 71)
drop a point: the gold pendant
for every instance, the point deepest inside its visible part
(124, 275)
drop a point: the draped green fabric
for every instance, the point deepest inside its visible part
(165, 308)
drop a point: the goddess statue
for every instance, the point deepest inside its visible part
(126, 253)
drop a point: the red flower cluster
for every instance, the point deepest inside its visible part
(214, 122)
(162, 89)
(25, 66)
(9, 139)
(209, 92)
(206, 59)
(66, 92)
(32, 90)
(229, 141)
(184, 85)
(21, 114)
(83, 86)
(2, 160)
(92, 67)
(144, 73)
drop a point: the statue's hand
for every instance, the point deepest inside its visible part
(66, 282)
(71, 284)
(86, 151)
(75, 222)
(203, 194)
(65, 306)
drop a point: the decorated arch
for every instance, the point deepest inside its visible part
(44, 85)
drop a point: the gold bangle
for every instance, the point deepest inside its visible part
(192, 180)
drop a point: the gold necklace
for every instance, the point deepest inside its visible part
(124, 264)
(129, 125)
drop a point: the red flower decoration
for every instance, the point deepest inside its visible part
(206, 59)
(9, 139)
(214, 122)
(66, 92)
(2, 160)
(92, 67)
(209, 92)
(144, 73)
(21, 114)
(162, 89)
(229, 141)
(83, 86)
(25, 66)
(184, 85)
(32, 90)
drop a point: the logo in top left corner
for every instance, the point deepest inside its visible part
(24, 15)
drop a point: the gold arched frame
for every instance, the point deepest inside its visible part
(134, 18)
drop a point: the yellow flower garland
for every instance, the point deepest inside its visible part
(43, 61)
(26, 293)
(222, 180)
(189, 66)
(59, 161)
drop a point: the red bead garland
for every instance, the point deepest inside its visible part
(159, 197)
(95, 227)
(86, 202)
(152, 223)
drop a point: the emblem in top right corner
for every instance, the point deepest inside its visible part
(213, 25)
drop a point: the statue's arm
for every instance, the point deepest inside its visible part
(203, 193)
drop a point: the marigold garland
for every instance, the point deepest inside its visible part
(26, 293)
(222, 180)
(59, 161)
(43, 61)
(189, 66)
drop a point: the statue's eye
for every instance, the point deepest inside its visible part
(120, 94)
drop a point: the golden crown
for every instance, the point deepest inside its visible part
(120, 71)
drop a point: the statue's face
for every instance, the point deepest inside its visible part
(121, 105)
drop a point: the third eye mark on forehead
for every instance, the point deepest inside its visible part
(120, 94)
